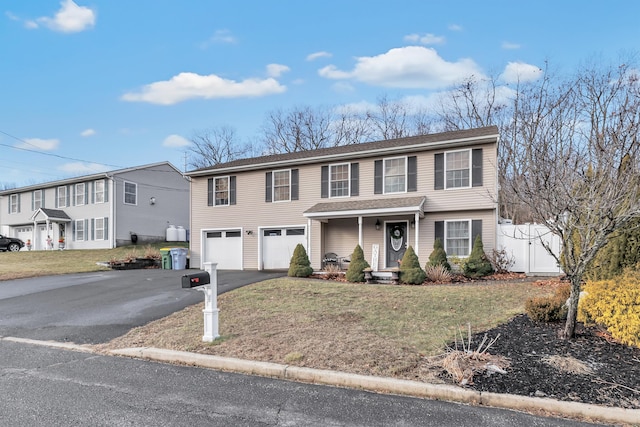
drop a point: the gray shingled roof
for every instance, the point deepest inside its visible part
(419, 142)
(55, 214)
(384, 204)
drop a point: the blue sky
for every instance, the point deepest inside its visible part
(94, 85)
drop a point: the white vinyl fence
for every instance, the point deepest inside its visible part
(524, 243)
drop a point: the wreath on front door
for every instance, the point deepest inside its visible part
(396, 233)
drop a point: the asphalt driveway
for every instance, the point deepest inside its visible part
(91, 308)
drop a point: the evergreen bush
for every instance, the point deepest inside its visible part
(355, 272)
(300, 266)
(477, 265)
(410, 271)
(439, 256)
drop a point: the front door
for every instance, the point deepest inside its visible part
(396, 235)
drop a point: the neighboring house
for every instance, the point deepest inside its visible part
(385, 195)
(98, 211)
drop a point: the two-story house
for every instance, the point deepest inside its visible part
(384, 196)
(98, 211)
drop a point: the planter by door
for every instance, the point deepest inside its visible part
(396, 245)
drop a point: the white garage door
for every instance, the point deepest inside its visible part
(225, 248)
(278, 245)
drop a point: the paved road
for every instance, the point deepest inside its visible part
(92, 308)
(45, 386)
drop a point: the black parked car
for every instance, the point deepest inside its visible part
(10, 244)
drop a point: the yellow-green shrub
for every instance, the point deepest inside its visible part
(614, 304)
(549, 309)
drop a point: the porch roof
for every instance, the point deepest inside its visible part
(55, 215)
(374, 207)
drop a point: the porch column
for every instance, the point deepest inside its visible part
(416, 221)
(360, 238)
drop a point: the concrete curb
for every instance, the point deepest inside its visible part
(387, 385)
(55, 344)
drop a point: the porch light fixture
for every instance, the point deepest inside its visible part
(377, 224)
(249, 232)
(152, 201)
(413, 223)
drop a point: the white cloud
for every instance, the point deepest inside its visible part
(343, 87)
(30, 25)
(175, 141)
(276, 70)
(71, 18)
(411, 67)
(87, 132)
(187, 86)
(520, 72)
(425, 39)
(11, 16)
(316, 55)
(455, 27)
(82, 168)
(510, 46)
(220, 37)
(39, 144)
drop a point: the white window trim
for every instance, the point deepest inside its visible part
(384, 174)
(124, 193)
(64, 204)
(228, 178)
(84, 194)
(15, 196)
(468, 150)
(95, 190)
(37, 201)
(84, 231)
(273, 186)
(446, 229)
(348, 180)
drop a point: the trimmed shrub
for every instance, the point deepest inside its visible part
(300, 266)
(439, 256)
(477, 265)
(410, 271)
(549, 309)
(355, 272)
(614, 304)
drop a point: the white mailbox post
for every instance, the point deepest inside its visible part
(210, 303)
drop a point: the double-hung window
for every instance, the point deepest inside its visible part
(221, 191)
(339, 180)
(458, 238)
(62, 197)
(37, 200)
(130, 193)
(98, 228)
(281, 186)
(98, 191)
(458, 169)
(80, 232)
(14, 204)
(80, 194)
(395, 175)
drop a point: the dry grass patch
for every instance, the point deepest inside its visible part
(372, 330)
(568, 364)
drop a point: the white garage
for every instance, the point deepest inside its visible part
(278, 244)
(224, 247)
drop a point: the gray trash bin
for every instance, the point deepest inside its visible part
(178, 258)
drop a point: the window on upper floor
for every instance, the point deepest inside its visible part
(99, 191)
(14, 204)
(62, 199)
(281, 185)
(395, 175)
(130, 193)
(37, 200)
(80, 194)
(221, 191)
(458, 169)
(339, 180)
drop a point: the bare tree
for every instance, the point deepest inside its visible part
(216, 145)
(299, 129)
(390, 119)
(578, 157)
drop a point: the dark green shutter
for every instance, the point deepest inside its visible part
(476, 167)
(294, 184)
(86, 229)
(412, 173)
(476, 230)
(377, 177)
(93, 229)
(93, 192)
(355, 178)
(232, 190)
(106, 190)
(268, 187)
(106, 228)
(33, 200)
(324, 182)
(56, 204)
(210, 192)
(439, 231)
(438, 161)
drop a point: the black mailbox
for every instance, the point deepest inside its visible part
(195, 279)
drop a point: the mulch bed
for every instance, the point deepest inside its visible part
(610, 372)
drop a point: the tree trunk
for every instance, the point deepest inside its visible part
(572, 314)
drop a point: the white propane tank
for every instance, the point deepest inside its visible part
(172, 234)
(182, 234)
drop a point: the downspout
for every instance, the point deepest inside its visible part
(112, 203)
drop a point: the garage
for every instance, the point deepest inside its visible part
(278, 245)
(24, 233)
(224, 247)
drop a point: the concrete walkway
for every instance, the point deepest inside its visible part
(375, 384)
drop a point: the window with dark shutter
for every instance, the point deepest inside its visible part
(412, 173)
(476, 167)
(355, 178)
(324, 182)
(438, 161)
(377, 177)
